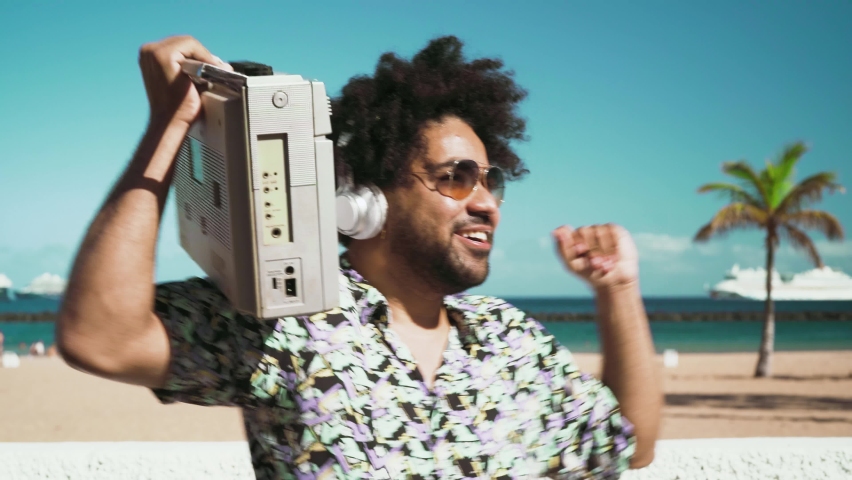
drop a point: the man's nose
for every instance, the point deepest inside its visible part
(483, 201)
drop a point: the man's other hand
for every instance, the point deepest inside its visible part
(604, 256)
(171, 94)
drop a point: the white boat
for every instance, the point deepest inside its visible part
(5, 289)
(44, 285)
(817, 284)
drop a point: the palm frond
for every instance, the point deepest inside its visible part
(743, 171)
(788, 159)
(777, 191)
(823, 222)
(808, 191)
(777, 178)
(801, 241)
(736, 193)
(730, 217)
(767, 175)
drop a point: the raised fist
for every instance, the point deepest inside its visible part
(604, 256)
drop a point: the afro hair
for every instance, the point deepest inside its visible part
(378, 120)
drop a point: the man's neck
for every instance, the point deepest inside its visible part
(417, 314)
(410, 299)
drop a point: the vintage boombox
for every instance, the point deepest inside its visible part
(255, 190)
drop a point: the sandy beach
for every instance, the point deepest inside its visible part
(707, 396)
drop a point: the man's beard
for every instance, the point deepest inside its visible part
(434, 259)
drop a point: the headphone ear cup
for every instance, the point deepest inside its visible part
(348, 212)
(361, 213)
(378, 208)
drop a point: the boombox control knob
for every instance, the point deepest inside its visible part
(279, 99)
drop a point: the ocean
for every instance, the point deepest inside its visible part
(678, 305)
(582, 336)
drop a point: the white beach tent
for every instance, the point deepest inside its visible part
(10, 360)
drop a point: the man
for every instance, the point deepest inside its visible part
(408, 378)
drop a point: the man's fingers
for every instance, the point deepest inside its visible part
(171, 94)
(606, 238)
(169, 53)
(195, 50)
(599, 254)
(223, 65)
(580, 265)
(565, 243)
(586, 237)
(588, 251)
(189, 47)
(573, 249)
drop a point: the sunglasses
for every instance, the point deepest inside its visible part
(461, 178)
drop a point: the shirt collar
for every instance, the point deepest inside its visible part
(372, 306)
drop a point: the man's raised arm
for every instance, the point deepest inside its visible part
(605, 257)
(106, 324)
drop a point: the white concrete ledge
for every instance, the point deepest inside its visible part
(791, 458)
(727, 458)
(126, 460)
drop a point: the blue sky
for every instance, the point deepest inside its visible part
(632, 106)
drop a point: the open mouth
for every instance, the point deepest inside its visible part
(478, 240)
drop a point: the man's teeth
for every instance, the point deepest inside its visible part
(478, 236)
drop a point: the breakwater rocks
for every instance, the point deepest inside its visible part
(705, 316)
(27, 317)
(583, 317)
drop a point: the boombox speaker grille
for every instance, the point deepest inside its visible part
(202, 193)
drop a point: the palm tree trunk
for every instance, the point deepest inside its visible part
(767, 341)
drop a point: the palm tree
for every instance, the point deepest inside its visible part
(770, 201)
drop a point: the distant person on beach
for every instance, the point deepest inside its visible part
(410, 377)
(37, 349)
(2, 340)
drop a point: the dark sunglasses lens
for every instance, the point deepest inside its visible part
(465, 176)
(496, 183)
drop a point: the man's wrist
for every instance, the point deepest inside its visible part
(617, 290)
(158, 150)
(160, 124)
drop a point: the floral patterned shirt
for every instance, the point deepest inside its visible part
(338, 394)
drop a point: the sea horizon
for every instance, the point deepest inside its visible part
(564, 304)
(581, 336)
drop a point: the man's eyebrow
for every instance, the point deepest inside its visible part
(448, 163)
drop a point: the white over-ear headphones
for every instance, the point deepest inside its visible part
(361, 212)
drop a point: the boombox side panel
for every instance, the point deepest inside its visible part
(246, 289)
(212, 212)
(290, 270)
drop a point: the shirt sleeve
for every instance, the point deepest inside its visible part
(214, 349)
(587, 436)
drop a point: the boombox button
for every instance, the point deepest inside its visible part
(279, 99)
